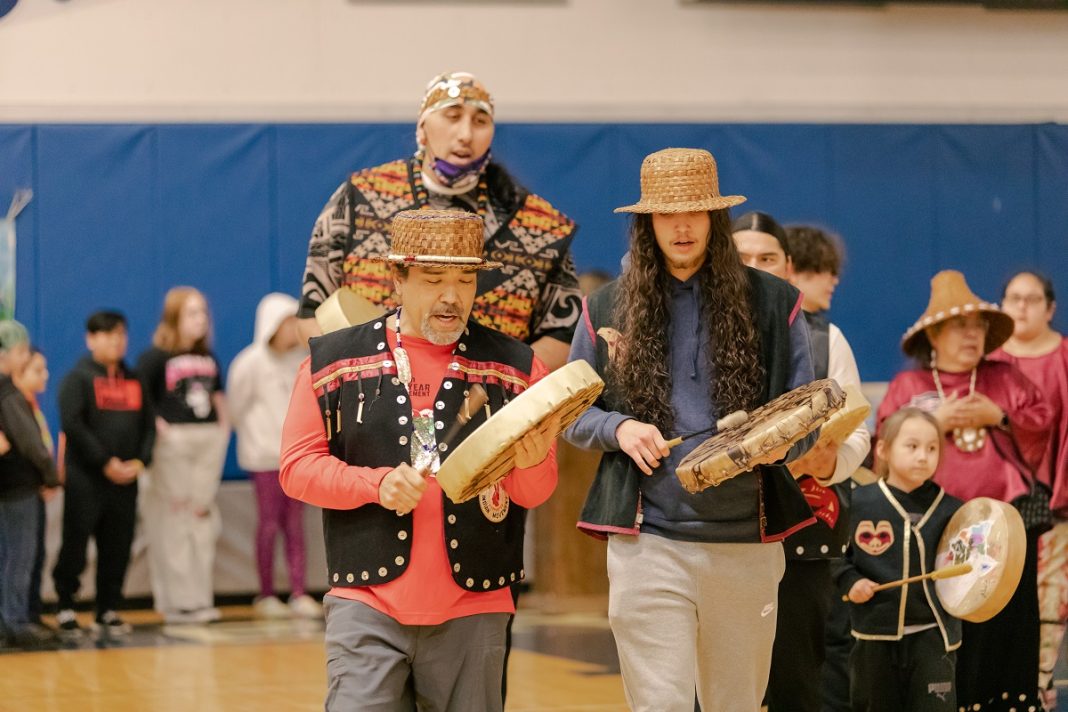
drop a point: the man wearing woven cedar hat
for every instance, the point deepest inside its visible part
(685, 336)
(534, 296)
(420, 600)
(996, 423)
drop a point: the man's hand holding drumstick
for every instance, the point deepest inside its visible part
(402, 488)
(644, 443)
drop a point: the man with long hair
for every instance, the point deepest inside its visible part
(687, 335)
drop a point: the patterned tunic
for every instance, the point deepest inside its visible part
(535, 294)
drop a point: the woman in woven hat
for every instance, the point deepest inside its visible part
(1042, 355)
(453, 169)
(996, 423)
(420, 601)
(686, 335)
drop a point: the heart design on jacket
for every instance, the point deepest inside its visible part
(874, 539)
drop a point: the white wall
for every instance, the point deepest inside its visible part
(345, 60)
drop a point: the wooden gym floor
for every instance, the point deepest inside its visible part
(560, 662)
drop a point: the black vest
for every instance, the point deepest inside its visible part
(372, 545)
(888, 546)
(823, 540)
(613, 502)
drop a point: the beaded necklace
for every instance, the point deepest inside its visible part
(966, 439)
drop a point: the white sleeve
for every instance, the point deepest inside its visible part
(241, 386)
(842, 367)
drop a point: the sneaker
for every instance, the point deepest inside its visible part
(183, 617)
(67, 621)
(35, 637)
(305, 606)
(112, 625)
(270, 607)
(208, 615)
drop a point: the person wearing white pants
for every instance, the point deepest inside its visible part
(183, 381)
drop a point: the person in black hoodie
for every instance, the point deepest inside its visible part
(24, 470)
(110, 431)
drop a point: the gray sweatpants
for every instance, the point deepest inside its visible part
(375, 664)
(686, 615)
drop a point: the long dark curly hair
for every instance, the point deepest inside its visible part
(640, 372)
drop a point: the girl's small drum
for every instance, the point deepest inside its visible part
(989, 535)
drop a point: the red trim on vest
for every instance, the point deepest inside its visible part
(797, 309)
(601, 531)
(493, 366)
(589, 323)
(364, 373)
(792, 530)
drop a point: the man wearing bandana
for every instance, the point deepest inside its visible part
(534, 297)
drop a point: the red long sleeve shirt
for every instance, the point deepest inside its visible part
(425, 594)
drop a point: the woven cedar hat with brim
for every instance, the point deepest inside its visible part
(950, 297)
(437, 238)
(680, 180)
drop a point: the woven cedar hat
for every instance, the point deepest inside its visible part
(680, 180)
(950, 297)
(437, 238)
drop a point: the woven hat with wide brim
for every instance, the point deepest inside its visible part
(680, 180)
(437, 238)
(950, 297)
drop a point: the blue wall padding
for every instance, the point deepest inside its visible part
(123, 212)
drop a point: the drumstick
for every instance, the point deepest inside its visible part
(948, 572)
(728, 421)
(476, 398)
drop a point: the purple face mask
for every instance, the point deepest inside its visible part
(450, 174)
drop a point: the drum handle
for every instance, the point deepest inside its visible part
(474, 400)
(728, 421)
(948, 572)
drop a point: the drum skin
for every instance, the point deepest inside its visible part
(989, 535)
(345, 308)
(844, 421)
(780, 422)
(488, 454)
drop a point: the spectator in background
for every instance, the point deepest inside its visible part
(1042, 355)
(31, 382)
(183, 383)
(261, 382)
(109, 433)
(24, 470)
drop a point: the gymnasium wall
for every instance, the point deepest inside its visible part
(193, 142)
(546, 60)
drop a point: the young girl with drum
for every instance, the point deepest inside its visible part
(904, 658)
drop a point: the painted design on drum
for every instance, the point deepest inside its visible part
(874, 539)
(494, 503)
(822, 500)
(969, 546)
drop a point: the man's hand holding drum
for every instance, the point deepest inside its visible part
(534, 447)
